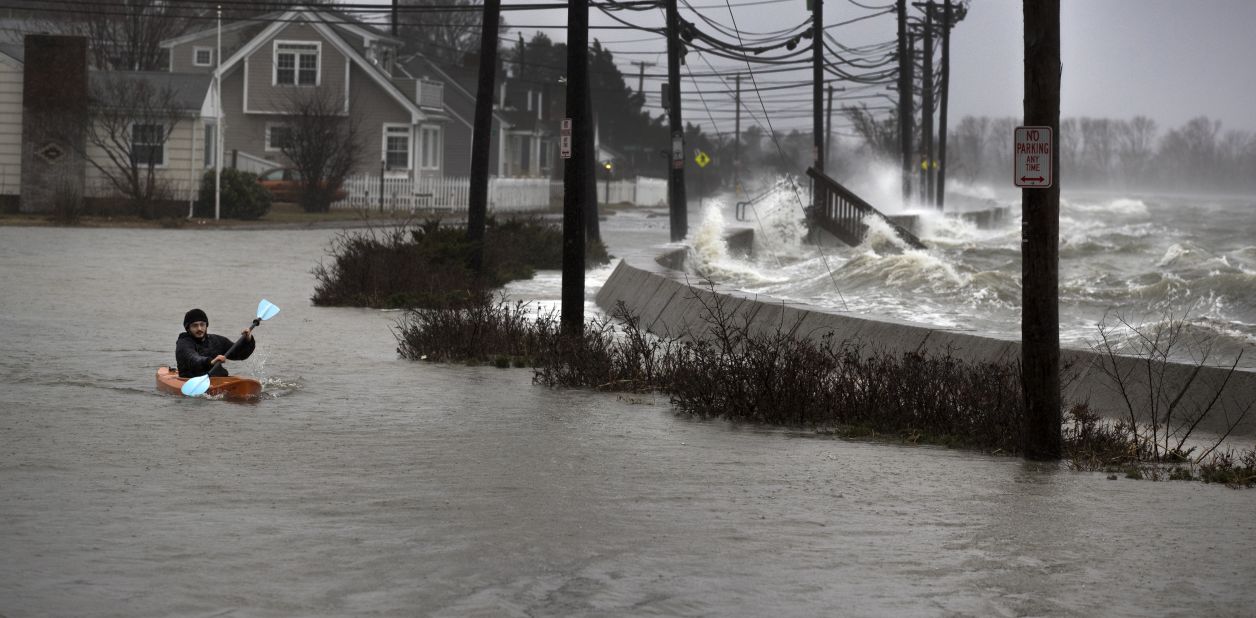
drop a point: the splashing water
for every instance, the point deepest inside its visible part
(1147, 256)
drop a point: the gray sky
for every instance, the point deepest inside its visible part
(1167, 59)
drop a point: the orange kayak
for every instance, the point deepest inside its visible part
(232, 388)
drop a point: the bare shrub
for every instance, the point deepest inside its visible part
(1160, 417)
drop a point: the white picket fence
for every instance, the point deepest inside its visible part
(452, 194)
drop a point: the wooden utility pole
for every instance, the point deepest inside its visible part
(817, 88)
(677, 206)
(946, 87)
(737, 139)
(576, 177)
(641, 65)
(828, 129)
(1040, 233)
(905, 62)
(909, 128)
(481, 137)
(926, 121)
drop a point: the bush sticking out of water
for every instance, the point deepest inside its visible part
(428, 265)
(479, 330)
(240, 196)
(778, 378)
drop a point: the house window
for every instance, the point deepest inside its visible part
(397, 147)
(296, 64)
(148, 144)
(430, 149)
(202, 56)
(278, 137)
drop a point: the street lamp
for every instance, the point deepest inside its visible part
(607, 166)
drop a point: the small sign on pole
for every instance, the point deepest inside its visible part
(564, 139)
(1032, 156)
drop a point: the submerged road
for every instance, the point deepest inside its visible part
(369, 485)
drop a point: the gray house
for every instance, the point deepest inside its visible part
(309, 51)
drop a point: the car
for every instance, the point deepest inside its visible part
(284, 184)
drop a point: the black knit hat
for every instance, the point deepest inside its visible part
(195, 315)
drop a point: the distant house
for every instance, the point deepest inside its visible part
(11, 68)
(304, 51)
(460, 84)
(50, 147)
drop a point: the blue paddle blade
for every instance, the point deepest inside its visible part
(266, 310)
(196, 387)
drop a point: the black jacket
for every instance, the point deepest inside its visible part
(194, 356)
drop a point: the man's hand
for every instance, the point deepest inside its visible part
(218, 360)
(248, 333)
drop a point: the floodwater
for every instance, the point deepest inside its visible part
(368, 485)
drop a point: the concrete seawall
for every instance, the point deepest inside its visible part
(671, 301)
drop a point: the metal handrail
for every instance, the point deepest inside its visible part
(841, 213)
(740, 210)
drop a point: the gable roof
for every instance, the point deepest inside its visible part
(317, 20)
(188, 90)
(239, 24)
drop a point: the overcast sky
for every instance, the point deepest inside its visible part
(1167, 59)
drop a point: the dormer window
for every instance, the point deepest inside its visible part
(202, 56)
(296, 63)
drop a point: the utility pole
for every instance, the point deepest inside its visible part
(926, 124)
(948, 20)
(828, 131)
(641, 65)
(1040, 240)
(817, 88)
(737, 139)
(394, 17)
(481, 137)
(576, 177)
(908, 101)
(905, 62)
(678, 208)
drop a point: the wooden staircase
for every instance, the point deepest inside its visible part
(841, 213)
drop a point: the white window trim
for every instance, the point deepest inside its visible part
(196, 53)
(439, 154)
(409, 145)
(165, 144)
(269, 126)
(296, 79)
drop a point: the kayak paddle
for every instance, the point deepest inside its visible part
(195, 387)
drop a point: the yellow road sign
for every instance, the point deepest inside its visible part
(701, 159)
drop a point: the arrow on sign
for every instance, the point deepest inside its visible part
(1035, 179)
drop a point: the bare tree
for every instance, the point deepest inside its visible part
(445, 31)
(1137, 146)
(122, 35)
(879, 136)
(324, 144)
(127, 126)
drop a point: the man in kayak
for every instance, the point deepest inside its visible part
(197, 350)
